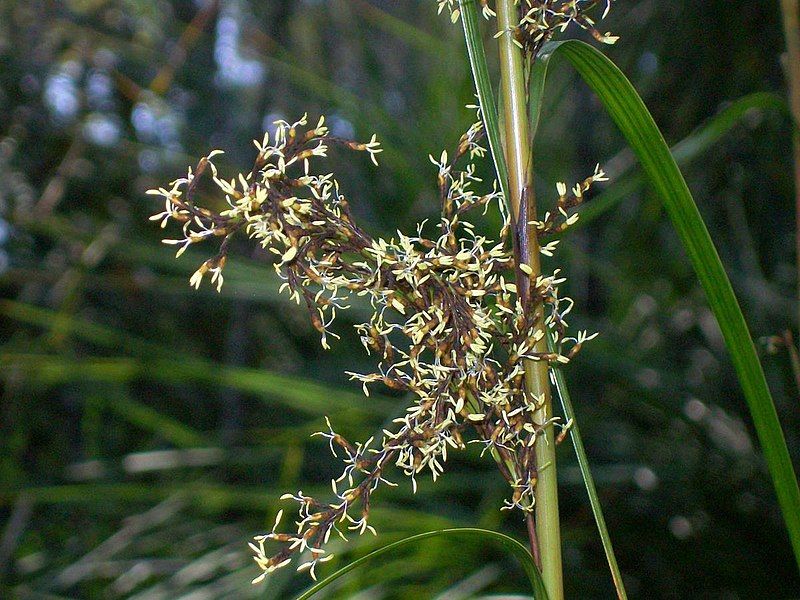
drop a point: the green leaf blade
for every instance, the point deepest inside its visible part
(630, 114)
(507, 543)
(483, 87)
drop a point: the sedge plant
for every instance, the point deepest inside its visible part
(470, 328)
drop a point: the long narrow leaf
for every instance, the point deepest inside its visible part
(560, 385)
(510, 544)
(630, 114)
(483, 87)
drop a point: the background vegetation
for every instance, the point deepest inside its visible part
(148, 429)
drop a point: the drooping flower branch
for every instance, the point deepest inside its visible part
(447, 326)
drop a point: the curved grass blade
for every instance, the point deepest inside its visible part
(560, 384)
(508, 543)
(483, 87)
(630, 114)
(708, 134)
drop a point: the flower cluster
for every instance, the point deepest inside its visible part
(447, 326)
(540, 19)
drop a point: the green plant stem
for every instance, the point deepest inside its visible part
(509, 544)
(790, 10)
(520, 171)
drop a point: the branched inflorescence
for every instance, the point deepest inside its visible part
(540, 19)
(447, 326)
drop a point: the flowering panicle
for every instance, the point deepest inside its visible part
(447, 327)
(539, 20)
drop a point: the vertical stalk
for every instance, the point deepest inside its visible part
(547, 534)
(791, 28)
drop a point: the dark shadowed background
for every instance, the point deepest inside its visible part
(148, 429)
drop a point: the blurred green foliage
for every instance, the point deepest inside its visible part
(148, 429)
